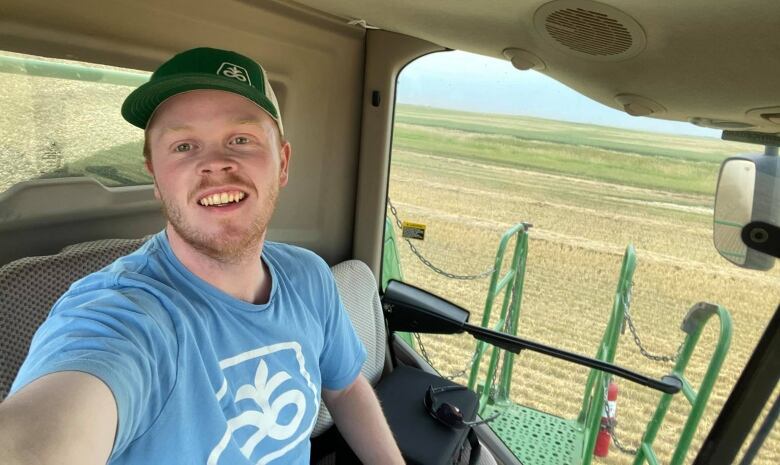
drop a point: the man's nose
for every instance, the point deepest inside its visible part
(216, 161)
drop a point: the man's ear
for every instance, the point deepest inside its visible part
(284, 153)
(150, 169)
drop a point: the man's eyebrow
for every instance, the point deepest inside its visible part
(170, 129)
(255, 121)
(242, 121)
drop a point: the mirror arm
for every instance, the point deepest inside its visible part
(667, 384)
(409, 308)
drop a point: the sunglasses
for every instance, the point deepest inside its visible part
(447, 413)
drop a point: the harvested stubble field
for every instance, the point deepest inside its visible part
(589, 191)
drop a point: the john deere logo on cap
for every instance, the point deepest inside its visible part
(234, 71)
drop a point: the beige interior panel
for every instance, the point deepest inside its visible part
(315, 62)
(696, 58)
(41, 217)
(387, 53)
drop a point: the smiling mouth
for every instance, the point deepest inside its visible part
(222, 198)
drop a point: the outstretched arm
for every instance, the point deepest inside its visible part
(359, 417)
(68, 417)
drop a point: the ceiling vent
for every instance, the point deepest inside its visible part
(589, 29)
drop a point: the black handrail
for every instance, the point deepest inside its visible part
(669, 384)
(409, 308)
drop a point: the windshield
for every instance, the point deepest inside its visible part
(479, 147)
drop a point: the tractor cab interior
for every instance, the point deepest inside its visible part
(74, 194)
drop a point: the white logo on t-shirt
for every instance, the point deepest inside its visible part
(269, 394)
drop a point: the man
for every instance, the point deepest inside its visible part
(209, 344)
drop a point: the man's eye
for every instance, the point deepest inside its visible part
(240, 140)
(185, 147)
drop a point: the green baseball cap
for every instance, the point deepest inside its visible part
(202, 68)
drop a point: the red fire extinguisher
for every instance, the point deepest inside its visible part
(608, 419)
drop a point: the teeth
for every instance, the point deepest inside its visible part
(222, 198)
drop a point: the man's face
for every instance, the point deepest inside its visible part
(218, 165)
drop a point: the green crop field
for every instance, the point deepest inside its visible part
(589, 191)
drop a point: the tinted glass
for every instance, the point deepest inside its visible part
(62, 118)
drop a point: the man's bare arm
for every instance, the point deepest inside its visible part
(360, 420)
(62, 418)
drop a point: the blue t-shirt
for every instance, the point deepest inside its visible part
(200, 377)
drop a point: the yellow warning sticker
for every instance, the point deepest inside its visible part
(413, 230)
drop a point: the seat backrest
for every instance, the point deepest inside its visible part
(360, 294)
(30, 286)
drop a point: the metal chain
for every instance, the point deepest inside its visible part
(638, 341)
(645, 352)
(427, 262)
(424, 354)
(612, 426)
(620, 446)
(457, 374)
(465, 369)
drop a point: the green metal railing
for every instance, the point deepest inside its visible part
(694, 323)
(511, 285)
(391, 261)
(593, 400)
(527, 431)
(524, 429)
(521, 427)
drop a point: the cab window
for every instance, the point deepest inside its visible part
(479, 148)
(60, 118)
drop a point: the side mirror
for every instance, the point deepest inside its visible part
(748, 192)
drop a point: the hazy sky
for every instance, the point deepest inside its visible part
(465, 81)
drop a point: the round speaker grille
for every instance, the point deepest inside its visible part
(589, 29)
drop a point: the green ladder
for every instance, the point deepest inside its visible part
(537, 437)
(692, 325)
(511, 285)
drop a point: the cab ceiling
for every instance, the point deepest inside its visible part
(714, 60)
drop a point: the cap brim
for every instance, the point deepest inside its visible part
(139, 106)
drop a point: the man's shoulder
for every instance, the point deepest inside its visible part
(131, 271)
(296, 264)
(292, 255)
